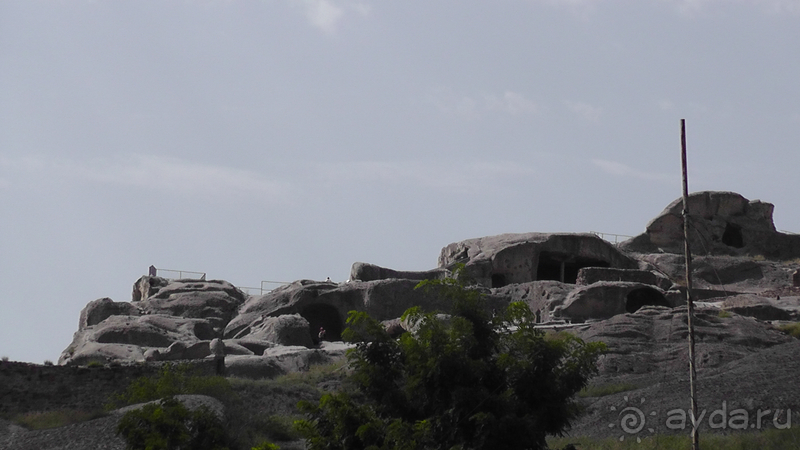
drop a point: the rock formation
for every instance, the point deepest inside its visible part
(496, 261)
(721, 223)
(628, 295)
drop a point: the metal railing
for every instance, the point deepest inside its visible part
(263, 289)
(249, 290)
(182, 274)
(617, 237)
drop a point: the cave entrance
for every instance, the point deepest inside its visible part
(732, 237)
(643, 297)
(498, 280)
(325, 316)
(564, 267)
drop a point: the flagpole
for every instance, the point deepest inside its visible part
(689, 300)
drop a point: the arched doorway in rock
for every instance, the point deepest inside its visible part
(325, 316)
(642, 297)
(732, 237)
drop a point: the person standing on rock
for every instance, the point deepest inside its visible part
(218, 350)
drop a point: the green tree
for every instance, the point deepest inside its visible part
(470, 381)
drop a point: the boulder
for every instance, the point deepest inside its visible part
(287, 329)
(215, 301)
(174, 352)
(141, 332)
(254, 346)
(232, 347)
(103, 353)
(100, 309)
(179, 350)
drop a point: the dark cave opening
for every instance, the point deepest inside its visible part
(732, 237)
(325, 316)
(498, 280)
(643, 297)
(564, 267)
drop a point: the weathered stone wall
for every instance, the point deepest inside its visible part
(28, 387)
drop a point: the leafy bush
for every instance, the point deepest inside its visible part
(792, 329)
(168, 425)
(474, 381)
(172, 380)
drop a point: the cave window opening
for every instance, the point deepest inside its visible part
(643, 297)
(563, 267)
(498, 280)
(323, 316)
(732, 237)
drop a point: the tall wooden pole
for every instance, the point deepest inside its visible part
(689, 301)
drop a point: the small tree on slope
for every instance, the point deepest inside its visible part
(470, 382)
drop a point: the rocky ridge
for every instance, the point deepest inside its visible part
(629, 295)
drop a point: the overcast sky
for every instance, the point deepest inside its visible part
(286, 139)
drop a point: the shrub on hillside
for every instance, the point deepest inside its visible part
(792, 329)
(168, 425)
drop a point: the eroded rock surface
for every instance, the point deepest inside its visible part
(740, 360)
(371, 272)
(215, 301)
(722, 223)
(496, 261)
